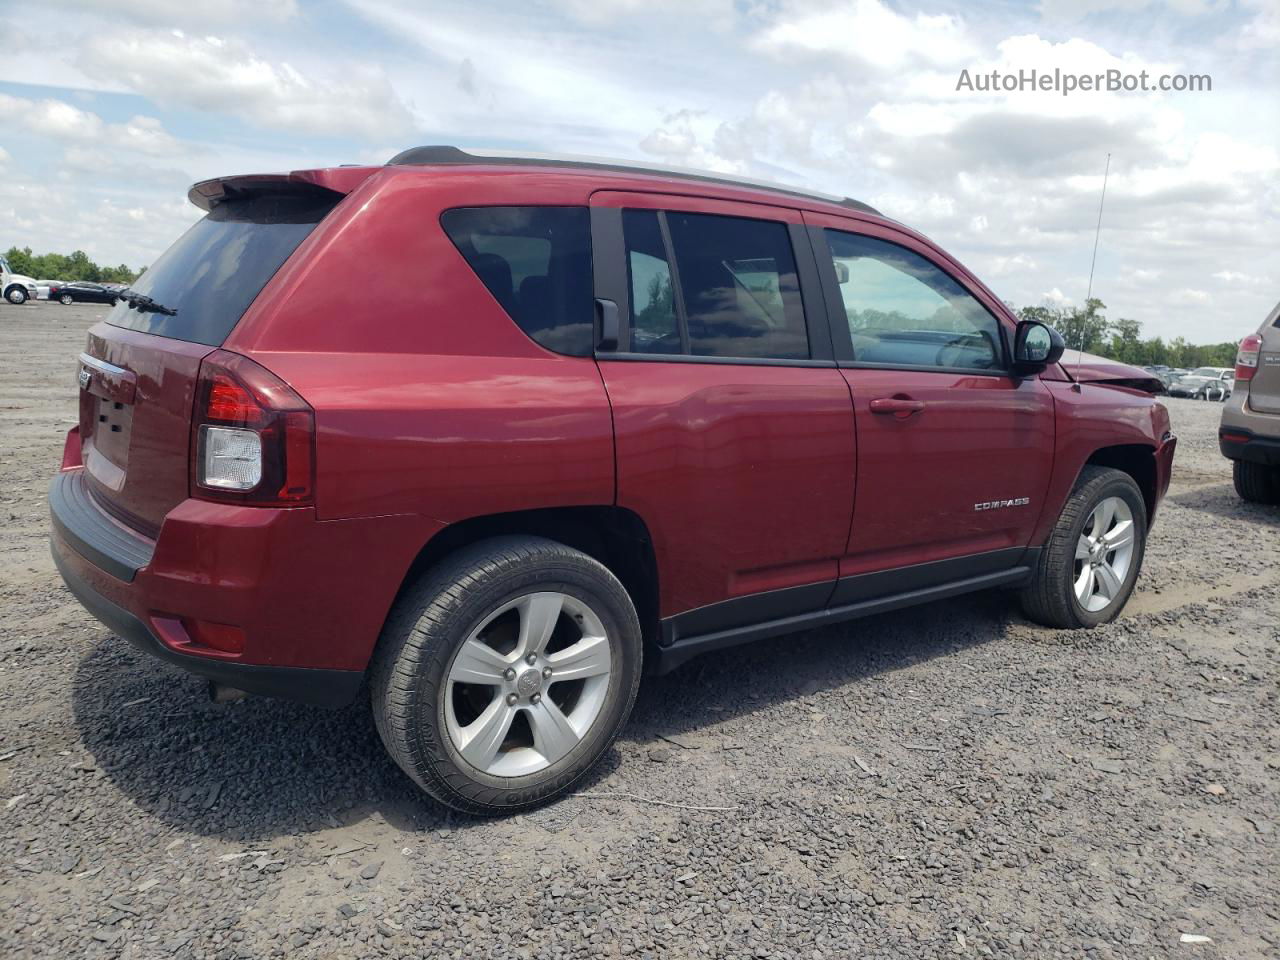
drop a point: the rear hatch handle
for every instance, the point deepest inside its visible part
(106, 380)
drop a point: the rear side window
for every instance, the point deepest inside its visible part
(211, 275)
(536, 261)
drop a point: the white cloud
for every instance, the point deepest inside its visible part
(60, 120)
(867, 31)
(1074, 10)
(182, 12)
(226, 76)
(51, 118)
(1262, 32)
(610, 11)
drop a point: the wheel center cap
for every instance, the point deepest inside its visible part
(529, 683)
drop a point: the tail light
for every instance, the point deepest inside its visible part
(253, 437)
(1247, 356)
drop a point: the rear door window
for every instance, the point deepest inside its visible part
(740, 292)
(655, 326)
(213, 272)
(536, 261)
(707, 285)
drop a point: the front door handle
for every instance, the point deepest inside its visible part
(900, 406)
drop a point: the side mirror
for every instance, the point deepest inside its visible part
(1035, 346)
(842, 271)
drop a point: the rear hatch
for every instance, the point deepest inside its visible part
(139, 371)
(1264, 388)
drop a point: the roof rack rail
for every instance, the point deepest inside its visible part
(444, 155)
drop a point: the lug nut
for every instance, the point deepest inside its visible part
(511, 699)
(508, 674)
(531, 659)
(536, 698)
(546, 673)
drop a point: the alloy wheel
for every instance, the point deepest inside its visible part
(526, 686)
(1104, 554)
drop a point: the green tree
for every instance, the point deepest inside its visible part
(1125, 344)
(1085, 328)
(60, 266)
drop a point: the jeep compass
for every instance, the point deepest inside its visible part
(598, 418)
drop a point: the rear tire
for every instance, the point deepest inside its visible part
(1256, 482)
(463, 711)
(1085, 575)
(66, 300)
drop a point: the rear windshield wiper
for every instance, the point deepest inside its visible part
(144, 304)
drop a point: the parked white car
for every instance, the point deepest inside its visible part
(15, 287)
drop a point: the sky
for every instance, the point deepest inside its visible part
(110, 110)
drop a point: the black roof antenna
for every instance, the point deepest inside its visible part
(1092, 263)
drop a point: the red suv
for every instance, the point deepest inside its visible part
(488, 434)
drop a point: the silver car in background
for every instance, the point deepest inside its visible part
(1249, 434)
(1204, 383)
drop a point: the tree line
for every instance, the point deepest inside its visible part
(62, 266)
(1087, 328)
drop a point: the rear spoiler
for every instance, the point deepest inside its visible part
(332, 181)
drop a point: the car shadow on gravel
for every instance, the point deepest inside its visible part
(261, 768)
(737, 681)
(245, 771)
(1222, 500)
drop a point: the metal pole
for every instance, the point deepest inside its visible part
(1097, 232)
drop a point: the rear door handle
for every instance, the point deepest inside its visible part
(901, 406)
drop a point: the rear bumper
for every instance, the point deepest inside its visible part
(307, 598)
(326, 688)
(1241, 443)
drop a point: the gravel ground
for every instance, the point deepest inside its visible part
(941, 782)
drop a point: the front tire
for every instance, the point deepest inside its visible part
(1256, 482)
(1089, 566)
(505, 673)
(17, 296)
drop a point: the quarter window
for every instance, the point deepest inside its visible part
(536, 261)
(903, 310)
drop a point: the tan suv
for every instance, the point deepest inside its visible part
(1250, 431)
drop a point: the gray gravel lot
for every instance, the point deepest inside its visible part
(948, 781)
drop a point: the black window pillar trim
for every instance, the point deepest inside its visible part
(609, 268)
(837, 321)
(813, 300)
(677, 289)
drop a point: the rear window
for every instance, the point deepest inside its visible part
(216, 269)
(536, 261)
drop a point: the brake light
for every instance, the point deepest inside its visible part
(253, 437)
(230, 402)
(1247, 356)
